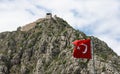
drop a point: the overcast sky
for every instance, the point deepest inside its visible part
(100, 18)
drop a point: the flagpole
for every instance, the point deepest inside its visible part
(92, 47)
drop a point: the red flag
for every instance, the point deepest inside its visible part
(82, 49)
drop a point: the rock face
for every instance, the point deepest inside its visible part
(47, 48)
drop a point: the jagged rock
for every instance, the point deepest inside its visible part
(3, 69)
(24, 69)
(39, 67)
(45, 47)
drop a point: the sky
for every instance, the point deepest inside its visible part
(100, 18)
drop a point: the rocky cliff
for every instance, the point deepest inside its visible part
(46, 48)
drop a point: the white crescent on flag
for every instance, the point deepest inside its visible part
(85, 48)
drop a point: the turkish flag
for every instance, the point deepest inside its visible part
(82, 49)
